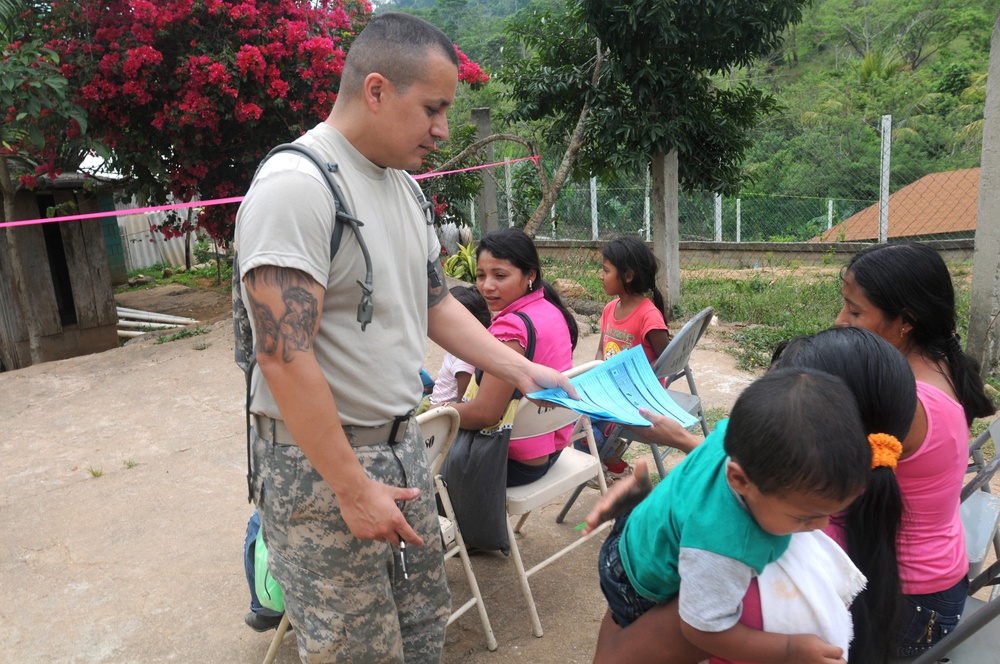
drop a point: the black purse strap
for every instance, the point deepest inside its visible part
(529, 351)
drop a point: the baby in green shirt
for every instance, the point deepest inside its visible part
(793, 453)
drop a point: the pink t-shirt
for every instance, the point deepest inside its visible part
(618, 335)
(553, 348)
(931, 543)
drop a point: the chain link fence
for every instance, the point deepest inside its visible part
(837, 183)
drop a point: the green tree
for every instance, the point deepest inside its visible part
(916, 30)
(661, 89)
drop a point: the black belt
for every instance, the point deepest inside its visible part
(392, 432)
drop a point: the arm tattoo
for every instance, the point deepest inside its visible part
(299, 322)
(265, 326)
(295, 329)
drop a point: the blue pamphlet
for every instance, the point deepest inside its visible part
(616, 389)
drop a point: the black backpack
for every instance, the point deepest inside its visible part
(243, 333)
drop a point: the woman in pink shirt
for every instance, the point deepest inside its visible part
(903, 293)
(509, 276)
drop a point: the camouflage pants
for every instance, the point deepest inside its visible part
(345, 597)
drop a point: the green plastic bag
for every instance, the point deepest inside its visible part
(268, 591)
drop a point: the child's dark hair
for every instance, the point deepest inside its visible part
(474, 302)
(911, 280)
(798, 430)
(514, 245)
(631, 256)
(885, 391)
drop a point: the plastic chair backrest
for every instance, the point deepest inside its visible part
(534, 420)
(439, 427)
(674, 358)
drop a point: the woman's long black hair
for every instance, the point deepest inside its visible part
(911, 280)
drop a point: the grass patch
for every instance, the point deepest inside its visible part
(213, 278)
(715, 414)
(94, 472)
(769, 310)
(979, 426)
(184, 334)
(585, 273)
(130, 464)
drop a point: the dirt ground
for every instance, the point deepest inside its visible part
(123, 501)
(124, 507)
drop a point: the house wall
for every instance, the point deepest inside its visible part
(86, 293)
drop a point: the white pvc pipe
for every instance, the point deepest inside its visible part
(135, 314)
(146, 324)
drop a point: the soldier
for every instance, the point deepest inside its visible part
(341, 482)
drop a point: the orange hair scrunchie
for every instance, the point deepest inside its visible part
(886, 449)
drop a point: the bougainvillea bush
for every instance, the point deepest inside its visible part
(190, 94)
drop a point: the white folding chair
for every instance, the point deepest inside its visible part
(572, 469)
(980, 512)
(439, 427)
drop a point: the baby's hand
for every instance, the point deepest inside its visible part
(623, 495)
(810, 649)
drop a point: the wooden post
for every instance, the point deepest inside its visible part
(488, 215)
(666, 234)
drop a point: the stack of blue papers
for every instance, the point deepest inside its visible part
(616, 389)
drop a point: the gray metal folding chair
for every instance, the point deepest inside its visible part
(969, 642)
(673, 363)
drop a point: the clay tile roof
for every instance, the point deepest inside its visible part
(939, 203)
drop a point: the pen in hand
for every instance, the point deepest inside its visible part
(402, 559)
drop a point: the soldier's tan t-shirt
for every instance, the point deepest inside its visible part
(286, 220)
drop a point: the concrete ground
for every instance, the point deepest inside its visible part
(123, 505)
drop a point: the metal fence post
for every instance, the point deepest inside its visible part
(883, 191)
(593, 209)
(738, 219)
(829, 213)
(645, 209)
(718, 217)
(508, 189)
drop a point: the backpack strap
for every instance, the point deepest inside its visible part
(365, 306)
(425, 205)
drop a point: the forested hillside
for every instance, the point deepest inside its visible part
(839, 71)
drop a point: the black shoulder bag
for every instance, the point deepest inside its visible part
(475, 472)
